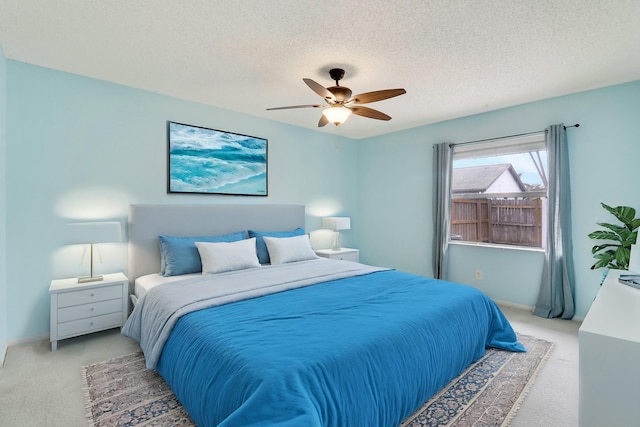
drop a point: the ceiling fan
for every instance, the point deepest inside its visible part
(340, 104)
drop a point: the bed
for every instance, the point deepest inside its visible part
(311, 342)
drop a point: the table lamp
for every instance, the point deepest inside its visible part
(92, 233)
(336, 223)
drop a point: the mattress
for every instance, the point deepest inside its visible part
(144, 283)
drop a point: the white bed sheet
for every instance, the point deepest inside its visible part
(144, 283)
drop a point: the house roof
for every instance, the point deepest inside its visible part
(455, 58)
(477, 179)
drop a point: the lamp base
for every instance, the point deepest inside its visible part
(86, 279)
(335, 246)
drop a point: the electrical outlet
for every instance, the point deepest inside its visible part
(478, 274)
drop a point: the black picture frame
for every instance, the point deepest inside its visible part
(201, 160)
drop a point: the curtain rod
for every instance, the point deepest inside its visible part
(577, 125)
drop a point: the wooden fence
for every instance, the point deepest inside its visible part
(500, 221)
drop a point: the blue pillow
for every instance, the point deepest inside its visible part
(261, 246)
(179, 255)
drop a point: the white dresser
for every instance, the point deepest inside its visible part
(346, 254)
(83, 308)
(609, 341)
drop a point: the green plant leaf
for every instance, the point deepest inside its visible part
(622, 257)
(600, 264)
(604, 235)
(613, 227)
(598, 248)
(624, 214)
(605, 259)
(630, 239)
(634, 224)
(609, 254)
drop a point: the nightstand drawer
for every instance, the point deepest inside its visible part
(91, 324)
(351, 256)
(66, 299)
(345, 254)
(77, 312)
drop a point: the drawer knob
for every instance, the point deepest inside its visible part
(92, 308)
(91, 323)
(91, 294)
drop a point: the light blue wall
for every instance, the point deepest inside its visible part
(395, 169)
(80, 148)
(3, 206)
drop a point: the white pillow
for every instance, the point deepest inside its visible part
(219, 257)
(289, 249)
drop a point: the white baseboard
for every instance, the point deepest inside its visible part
(35, 338)
(528, 308)
(3, 355)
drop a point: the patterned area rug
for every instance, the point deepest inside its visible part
(489, 392)
(121, 392)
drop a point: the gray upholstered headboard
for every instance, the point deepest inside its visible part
(146, 222)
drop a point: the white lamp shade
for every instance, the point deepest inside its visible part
(336, 223)
(93, 232)
(337, 114)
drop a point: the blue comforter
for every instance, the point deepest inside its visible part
(363, 351)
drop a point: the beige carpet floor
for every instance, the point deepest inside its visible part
(41, 388)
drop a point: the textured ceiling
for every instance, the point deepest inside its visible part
(454, 57)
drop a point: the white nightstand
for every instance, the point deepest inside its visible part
(346, 254)
(83, 308)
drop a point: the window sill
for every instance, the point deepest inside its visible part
(496, 246)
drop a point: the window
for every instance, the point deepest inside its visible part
(499, 192)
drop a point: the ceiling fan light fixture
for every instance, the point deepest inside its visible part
(338, 97)
(336, 114)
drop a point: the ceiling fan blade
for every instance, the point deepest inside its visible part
(378, 95)
(323, 121)
(297, 106)
(320, 90)
(370, 113)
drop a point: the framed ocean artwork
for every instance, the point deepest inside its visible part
(210, 161)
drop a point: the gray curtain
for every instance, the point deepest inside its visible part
(442, 163)
(555, 298)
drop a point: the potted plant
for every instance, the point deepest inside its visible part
(615, 251)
